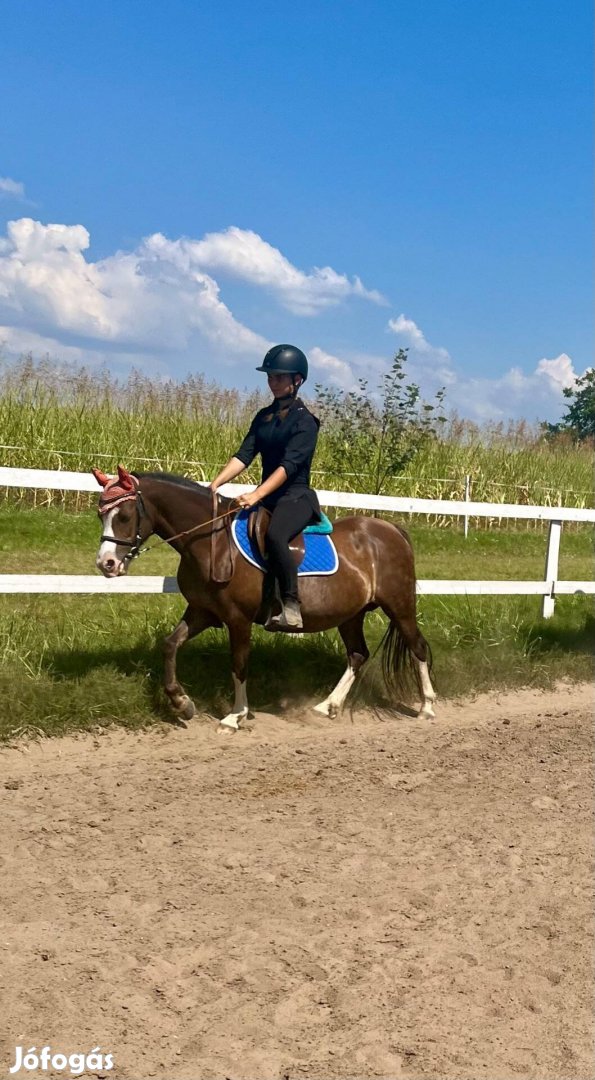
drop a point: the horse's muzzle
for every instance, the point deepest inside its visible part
(110, 566)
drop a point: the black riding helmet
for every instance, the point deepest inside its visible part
(285, 360)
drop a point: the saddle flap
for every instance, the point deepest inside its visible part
(222, 549)
(297, 547)
(258, 523)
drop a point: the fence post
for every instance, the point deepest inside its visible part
(551, 566)
(467, 498)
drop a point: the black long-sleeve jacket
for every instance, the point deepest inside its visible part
(283, 436)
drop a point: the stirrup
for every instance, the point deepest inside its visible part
(269, 623)
(288, 621)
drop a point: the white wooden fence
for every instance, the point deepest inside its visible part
(549, 587)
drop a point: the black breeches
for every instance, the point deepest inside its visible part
(288, 519)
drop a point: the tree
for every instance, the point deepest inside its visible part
(378, 439)
(580, 418)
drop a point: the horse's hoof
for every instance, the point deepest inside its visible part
(229, 723)
(426, 714)
(325, 710)
(186, 709)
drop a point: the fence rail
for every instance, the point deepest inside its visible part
(136, 583)
(548, 588)
(62, 480)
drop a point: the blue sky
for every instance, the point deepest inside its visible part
(350, 177)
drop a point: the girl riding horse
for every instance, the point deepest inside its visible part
(284, 434)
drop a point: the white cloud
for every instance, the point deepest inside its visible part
(11, 188)
(512, 395)
(159, 307)
(158, 299)
(432, 361)
(15, 341)
(414, 337)
(243, 254)
(516, 395)
(559, 371)
(142, 300)
(330, 369)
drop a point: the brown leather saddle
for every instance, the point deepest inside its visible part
(258, 524)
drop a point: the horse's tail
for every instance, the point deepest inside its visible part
(399, 669)
(397, 661)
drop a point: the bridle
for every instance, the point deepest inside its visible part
(134, 545)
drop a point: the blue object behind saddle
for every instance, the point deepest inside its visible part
(320, 558)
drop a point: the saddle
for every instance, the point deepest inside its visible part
(258, 525)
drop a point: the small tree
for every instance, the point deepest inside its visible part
(378, 439)
(580, 418)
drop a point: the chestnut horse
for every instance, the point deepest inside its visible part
(376, 570)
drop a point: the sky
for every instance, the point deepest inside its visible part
(183, 185)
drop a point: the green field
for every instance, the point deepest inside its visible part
(76, 662)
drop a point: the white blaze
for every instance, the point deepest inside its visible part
(108, 549)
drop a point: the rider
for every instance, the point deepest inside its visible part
(284, 434)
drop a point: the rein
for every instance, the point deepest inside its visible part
(186, 532)
(135, 545)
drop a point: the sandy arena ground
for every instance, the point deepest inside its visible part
(366, 897)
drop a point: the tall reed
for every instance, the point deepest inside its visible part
(62, 417)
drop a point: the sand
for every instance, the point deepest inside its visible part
(374, 896)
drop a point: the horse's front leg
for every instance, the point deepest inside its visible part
(191, 624)
(239, 638)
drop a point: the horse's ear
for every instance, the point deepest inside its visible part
(125, 479)
(100, 477)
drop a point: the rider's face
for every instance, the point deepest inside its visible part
(280, 384)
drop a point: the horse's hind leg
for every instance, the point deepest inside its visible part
(425, 684)
(418, 648)
(352, 633)
(421, 656)
(191, 624)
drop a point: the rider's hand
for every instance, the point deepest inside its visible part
(247, 500)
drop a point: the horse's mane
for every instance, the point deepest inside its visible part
(183, 481)
(180, 481)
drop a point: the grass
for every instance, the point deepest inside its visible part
(75, 662)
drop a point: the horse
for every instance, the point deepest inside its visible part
(221, 588)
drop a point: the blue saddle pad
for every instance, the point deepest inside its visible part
(320, 558)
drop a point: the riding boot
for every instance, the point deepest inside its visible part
(289, 620)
